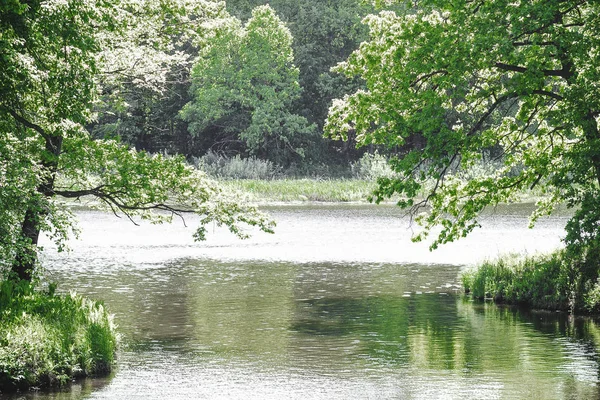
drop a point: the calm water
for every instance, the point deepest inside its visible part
(339, 304)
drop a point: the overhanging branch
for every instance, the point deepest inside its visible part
(565, 72)
(113, 201)
(25, 122)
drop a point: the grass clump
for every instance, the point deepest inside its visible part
(302, 190)
(48, 339)
(543, 281)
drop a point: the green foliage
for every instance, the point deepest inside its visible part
(47, 340)
(57, 56)
(244, 83)
(154, 184)
(371, 167)
(592, 298)
(141, 101)
(146, 67)
(459, 78)
(325, 33)
(540, 282)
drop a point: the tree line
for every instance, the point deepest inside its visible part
(258, 83)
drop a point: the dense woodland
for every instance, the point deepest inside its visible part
(246, 94)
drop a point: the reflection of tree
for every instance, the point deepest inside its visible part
(327, 319)
(434, 332)
(536, 346)
(391, 329)
(241, 309)
(150, 305)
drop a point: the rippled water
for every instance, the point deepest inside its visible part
(339, 304)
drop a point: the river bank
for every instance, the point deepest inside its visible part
(306, 190)
(556, 281)
(49, 339)
(301, 190)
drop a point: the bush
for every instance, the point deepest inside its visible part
(47, 339)
(372, 166)
(222, 167)
(592, 298)
(540, 282)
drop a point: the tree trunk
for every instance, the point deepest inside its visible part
(26, 257)
(592, 135)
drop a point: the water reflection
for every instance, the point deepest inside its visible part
(248, 328)
(80, 389)
(333, 330)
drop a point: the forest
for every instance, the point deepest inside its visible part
(259, 85)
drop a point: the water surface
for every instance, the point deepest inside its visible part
(339, 304)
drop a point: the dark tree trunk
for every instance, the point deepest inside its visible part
(592, 135)
(26, 257)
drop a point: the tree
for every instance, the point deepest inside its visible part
(325, 33)
(244, 83)
(54, 53)
(466, 76)
(147, 80)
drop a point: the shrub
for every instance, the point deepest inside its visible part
(543, 281)
(591, 299)
(236, 167)
(372, 166)
(47, 339)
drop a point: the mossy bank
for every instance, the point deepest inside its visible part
(48, 339)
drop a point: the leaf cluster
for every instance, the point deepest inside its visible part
(244, 81)
(460, 78)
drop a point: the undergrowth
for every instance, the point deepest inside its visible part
(221, 167)
(294, 190)
(48, 339)
(544, 281)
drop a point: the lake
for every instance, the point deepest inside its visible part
(338, 304)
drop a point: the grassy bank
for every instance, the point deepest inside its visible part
(302, 190)
(48, 339)
(551, 282)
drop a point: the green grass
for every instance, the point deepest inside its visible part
(543, 281)
(302, 190)
(48, 339)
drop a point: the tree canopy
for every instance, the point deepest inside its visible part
(464, 77)
(56, 57)
(244, 83)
